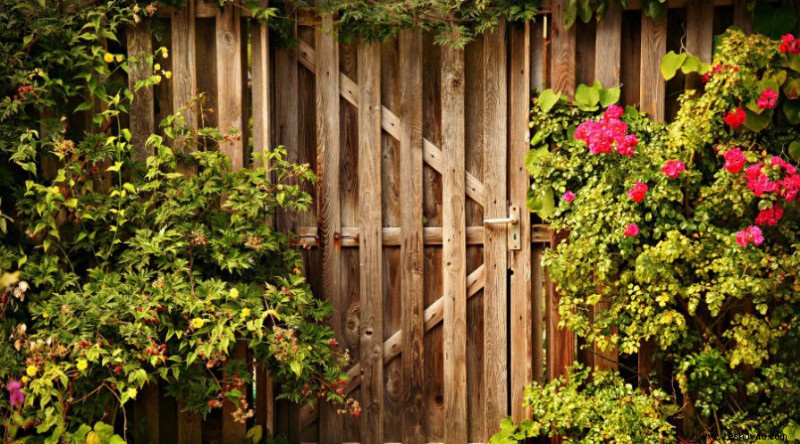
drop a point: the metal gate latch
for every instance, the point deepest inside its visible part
(514, 238)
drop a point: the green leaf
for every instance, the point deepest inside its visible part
(533, 156)
(671, 63)
(791, 88)
(791, 109)
(570, 13)
(541, 202)
(609, 96)
(255, 434)
(654, 9)
(772, 21)
(587, 98)
(297, 368)
(757, 122)
(548, 99)
(585, 10)
(794, 151)
(793, 62)
(694, 64)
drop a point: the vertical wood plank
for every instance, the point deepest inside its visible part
(538, 69)
(146, 413)
(560, 342)
(265, 400)
(229, 82)
(260, 86)
(742, 17)
(455, 246)
(608, 46)
(190, 426)
(518, 183)
(563, 52)
(411, 250)
(184, 74)
(537, 307)
(652, 88)
(371, 244)
(328, 156)
(142, 111)
(233, 431)
(699, 34)
(495, 250)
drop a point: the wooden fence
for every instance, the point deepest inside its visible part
(446, 317)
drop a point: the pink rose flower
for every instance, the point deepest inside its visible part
(734, 160)
(751, 234)
(768, 99)
(632, 230)
(569, 196)
(673, 168)
(735, 118)
(638, 192)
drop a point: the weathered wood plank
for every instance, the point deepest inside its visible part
(392, 347)
(411, 251)
(265, 400)
(699, 35)
(229, 83)
(652, 88)
(455, 248)
(562, 42)
(495, 250)
(518, 182)
(184, 74)
(393, 237)
(560, 342)
(371, 244)
(260, 86)
(142, 110)
(190, 426)
(233, 431)
(328, 212)
(537, 312)
(608, 46)
(742, 17)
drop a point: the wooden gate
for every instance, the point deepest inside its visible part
(415, 146)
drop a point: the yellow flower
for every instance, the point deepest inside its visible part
(82, 364)
(157, 67)
(297, 271)
(132, 392)
(310, 348)
(158, 79)
(32, 370)
(45, 315)
(197, 323)
(164, 52)
(245, 312)
(168, 75)
(234, 294)
(25, 379)
(108, 57)
(120, 58)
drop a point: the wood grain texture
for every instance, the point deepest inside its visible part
(454, 248)
(560, 342)
(411, 251)
(328, 211)
(190, 427)
(699, 35)
(652, 88)
(229, 83)
(260, 86)
(142, 110)
(371, 243)
(608, 47)
(562, 43)
(518, 183)
(495, 250)
(537, 312)
(742, 17)
(184, 74)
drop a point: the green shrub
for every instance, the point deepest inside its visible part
(690, 232)
(116, 272)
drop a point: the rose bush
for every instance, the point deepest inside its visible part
(691, 237)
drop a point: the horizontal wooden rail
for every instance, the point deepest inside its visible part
(392, 236)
